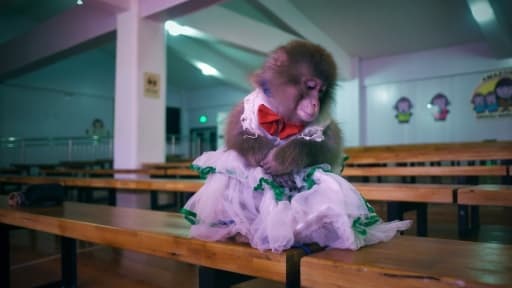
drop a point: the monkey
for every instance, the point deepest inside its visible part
(298, 82)
(269, 185)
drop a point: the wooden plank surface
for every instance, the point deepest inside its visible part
(151, 232)
(164, 165)
(498, 170)
(411, 262)
(491, 195)
(430, 152)
(109, 172)
(430, 193)
(169, 185)
(101, 172)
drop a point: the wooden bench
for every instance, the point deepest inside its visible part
(492, 195)
(151, 232)
(411, 262)
(10, 171)
(165, 165)
(402, 262)
(112, 184)
(166, 173)
(464, 161)
(431, 193)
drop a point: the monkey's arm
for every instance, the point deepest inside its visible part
(300, 153)
(252, 149)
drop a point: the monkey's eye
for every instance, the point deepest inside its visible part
(313, 84)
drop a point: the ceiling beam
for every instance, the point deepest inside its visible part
(58, 34)
(193, 50)
(228, 26)
(497, 30)
(290, 15)
(77, 26)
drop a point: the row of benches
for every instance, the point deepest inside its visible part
(496, 195)
(402, 262)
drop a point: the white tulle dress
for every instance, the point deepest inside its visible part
(326, 209)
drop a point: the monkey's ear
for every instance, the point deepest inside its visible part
(277, 60)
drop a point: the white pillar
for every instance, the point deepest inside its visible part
(139, 129)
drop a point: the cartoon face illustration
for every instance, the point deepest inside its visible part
(403, 108)
(491, 103)
(440, 102)
(503, 90)
(479, 104)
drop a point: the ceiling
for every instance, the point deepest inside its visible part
(238, 33)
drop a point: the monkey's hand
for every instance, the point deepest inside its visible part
(273, 167)
(286, 180)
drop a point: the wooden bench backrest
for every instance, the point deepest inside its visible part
(430, 152)
(411, 262)
(151, 232)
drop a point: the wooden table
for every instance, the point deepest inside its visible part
(411, 262)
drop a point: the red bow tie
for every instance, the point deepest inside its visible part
(275, 125)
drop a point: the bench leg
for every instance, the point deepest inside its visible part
(463, 223)
(68, 262)
(394, 211)
(112, 197)
(153, 200)
(213, 278)
(475, 218)
(421, 218)
(5, 260)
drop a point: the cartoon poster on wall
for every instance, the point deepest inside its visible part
(403, 107)
(493, 96)
(439, 106)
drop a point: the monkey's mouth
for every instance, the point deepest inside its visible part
(307, 116)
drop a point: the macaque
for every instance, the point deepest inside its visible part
(264, 188)
(298, 80)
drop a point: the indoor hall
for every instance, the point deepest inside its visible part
(113, 100)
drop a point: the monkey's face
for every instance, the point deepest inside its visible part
(297, 101)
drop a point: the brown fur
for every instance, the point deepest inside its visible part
(282, 73)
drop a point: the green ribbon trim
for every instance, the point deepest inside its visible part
(345, 159)
(203, 171)
(360, 225)
(189, 215)
(308, 177)
(278, 190)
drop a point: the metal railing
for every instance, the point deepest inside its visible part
(58, 149)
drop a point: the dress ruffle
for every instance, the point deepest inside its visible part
(327, 209)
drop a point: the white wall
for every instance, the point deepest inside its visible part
(346, 111)
(454, 71)
(59, 100)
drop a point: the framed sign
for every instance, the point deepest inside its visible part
(151, 85)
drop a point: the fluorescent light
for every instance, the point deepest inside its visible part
(482, 11)
(79, 2)
(207, 69)
(176, 29)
